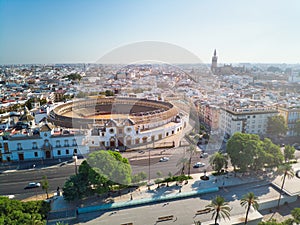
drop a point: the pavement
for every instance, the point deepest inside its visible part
(62, 210)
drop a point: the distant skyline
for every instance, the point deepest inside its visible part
(73, 31)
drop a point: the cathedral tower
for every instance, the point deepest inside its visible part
(214, 62)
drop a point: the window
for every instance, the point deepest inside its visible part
(167, 134)
(111, 130)
(19, 146)
(6, 149)
(58, 143)
(120, 131)
(152, 138)
(67, 152)
(0, 145)
(34, 145)
(58, 152)
(36, 154)
(75, 150)
(74, 142)
(66, 143)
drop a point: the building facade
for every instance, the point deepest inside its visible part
(291, 116)
(245, 120)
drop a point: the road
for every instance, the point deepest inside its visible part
(183, 210)
(13, 183)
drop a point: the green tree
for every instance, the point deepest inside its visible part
(45, 185)
(289, 153)
(276, 126)
(182, 162)
(296, 215)
(273, 156)
(247, 201)
(191, 151)
(16, 212)
(243, 150)
(218, 161)
(220, 208)
(287, 171)
(111, 165)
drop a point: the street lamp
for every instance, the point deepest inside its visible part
(75, 160)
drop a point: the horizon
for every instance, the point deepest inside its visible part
(71, 32)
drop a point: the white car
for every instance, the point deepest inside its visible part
(199, 164)
(164, 159)
(32, 185)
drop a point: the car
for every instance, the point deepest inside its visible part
(199, 164)
(204, 155)
(164, 159)
(32, 185)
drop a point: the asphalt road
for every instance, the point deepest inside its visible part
(13, 183)
(183, 210)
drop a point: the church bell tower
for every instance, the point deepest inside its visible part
(214, 62)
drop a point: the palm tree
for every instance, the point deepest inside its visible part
(45, 185)
(218, 161)
(287, 171)
(219, 208)
(249, 200)
(183, 162)
(192, 150)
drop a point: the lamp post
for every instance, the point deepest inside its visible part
(75, 160)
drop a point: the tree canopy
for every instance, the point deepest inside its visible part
(218, 161)
(276, 126)
(15, 212)
(111, 165)
(247, 151)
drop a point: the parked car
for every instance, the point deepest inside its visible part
(164, 159)
(32, 185)
(199, 164)
(204, 155)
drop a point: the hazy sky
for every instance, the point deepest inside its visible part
(58, 31)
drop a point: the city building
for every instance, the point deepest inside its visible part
(291, 115)
(245, 120)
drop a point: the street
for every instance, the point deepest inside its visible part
(13, 183)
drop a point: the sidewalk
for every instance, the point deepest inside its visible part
(142, 195)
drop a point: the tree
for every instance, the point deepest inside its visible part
(287, 171)
(192, 151)
(289, 153)
(218, 161)
(182, 162)
(85, 183)
(16, 212)
(111, 165)
(273, 156)
(45, 185)
(296, 215)
(220, 208)
(247, 201)
(243, 150)
(276, 126)
(297, 127)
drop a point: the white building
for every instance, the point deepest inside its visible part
(245, 120)
(124, 134)
(42, 143)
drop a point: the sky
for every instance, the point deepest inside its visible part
(73, 31)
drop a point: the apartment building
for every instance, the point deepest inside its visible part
(245, 120)
(291, 115)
